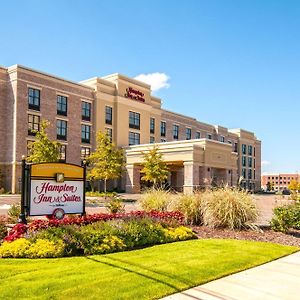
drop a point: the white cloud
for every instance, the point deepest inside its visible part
(156, 80)
(265, 163)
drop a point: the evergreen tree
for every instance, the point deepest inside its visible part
(106, 162)
(43, 149)
(155, 169)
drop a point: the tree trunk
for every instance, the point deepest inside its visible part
(105, 188)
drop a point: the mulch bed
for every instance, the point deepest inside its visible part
(292, 238)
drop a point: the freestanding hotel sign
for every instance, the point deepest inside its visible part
(53, 189)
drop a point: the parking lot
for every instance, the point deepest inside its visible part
(265, 204)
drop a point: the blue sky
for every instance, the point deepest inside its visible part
(232, 63)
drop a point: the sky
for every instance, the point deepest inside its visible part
(225, 62)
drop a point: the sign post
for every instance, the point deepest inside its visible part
(52, 189)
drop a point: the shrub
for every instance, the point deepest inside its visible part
(13, 213)
(156, 199)
(286, 217)
(115, 205)
(38, 249)
(191, 207)
(230, 208)
(100, 194)
(109, 244)
(180, 233)
(3, 228)
(16, 232)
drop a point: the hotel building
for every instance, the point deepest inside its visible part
(198, 154)
(280, 181)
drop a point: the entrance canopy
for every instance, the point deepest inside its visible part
(193, 164)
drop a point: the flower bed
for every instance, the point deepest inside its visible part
(94, 234)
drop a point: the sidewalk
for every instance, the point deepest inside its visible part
(279, 279)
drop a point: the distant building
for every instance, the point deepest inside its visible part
(280, 181)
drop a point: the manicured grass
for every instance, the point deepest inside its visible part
(149, 273)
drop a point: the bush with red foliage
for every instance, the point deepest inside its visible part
(166, 217)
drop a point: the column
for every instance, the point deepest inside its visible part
(132, 179)
(191, 177)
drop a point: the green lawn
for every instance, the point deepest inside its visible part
(142, 274)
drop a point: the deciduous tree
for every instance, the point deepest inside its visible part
(155, 169)
(106, 162)
(43, 149)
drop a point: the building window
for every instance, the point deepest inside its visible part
(249, 150)
(222, 139)
(244, 149)
(230, 142)
(108, 115)
(253, 151)
(134, 138)
(163, 140)
(85, 133)
(152, 125)
(254, 175)
(250, 162)
(236, 147)
(29, 145)
(85, 152)
(249, 174)
(33, 124)
(61, 130)
(209, 136)
(244, 173)
(134, 120)
(109, 133)
(188, 133)
(62, 153)
(244, 161)
(86, 111)
(163, 126)
(152, 139)
(198, 135)
(175, 132)
(34, 99)
(62, 105)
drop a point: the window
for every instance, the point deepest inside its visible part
(244, 148)
(62, 105)
(188, 133)
(134, 120)
(244, 173)
(254, 175)
(249, 150)
(29, 144)
(230, 142)
(163, 140)
(34, 99)
(62, 153)
(85, 152)
(254, 151)
(254, 164)
(33, 124)
(249, 174)
(198, 135)
(222, 139)
(85, 133)
(61, 130)
(163, 126)
(134, 138)
(250, 162)
(175, 132)
(109, 133)
(244, 161)
(152, 139)
(209, 136)
(86, 111)
(152, 125)
(236, 147)
(108, 115)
